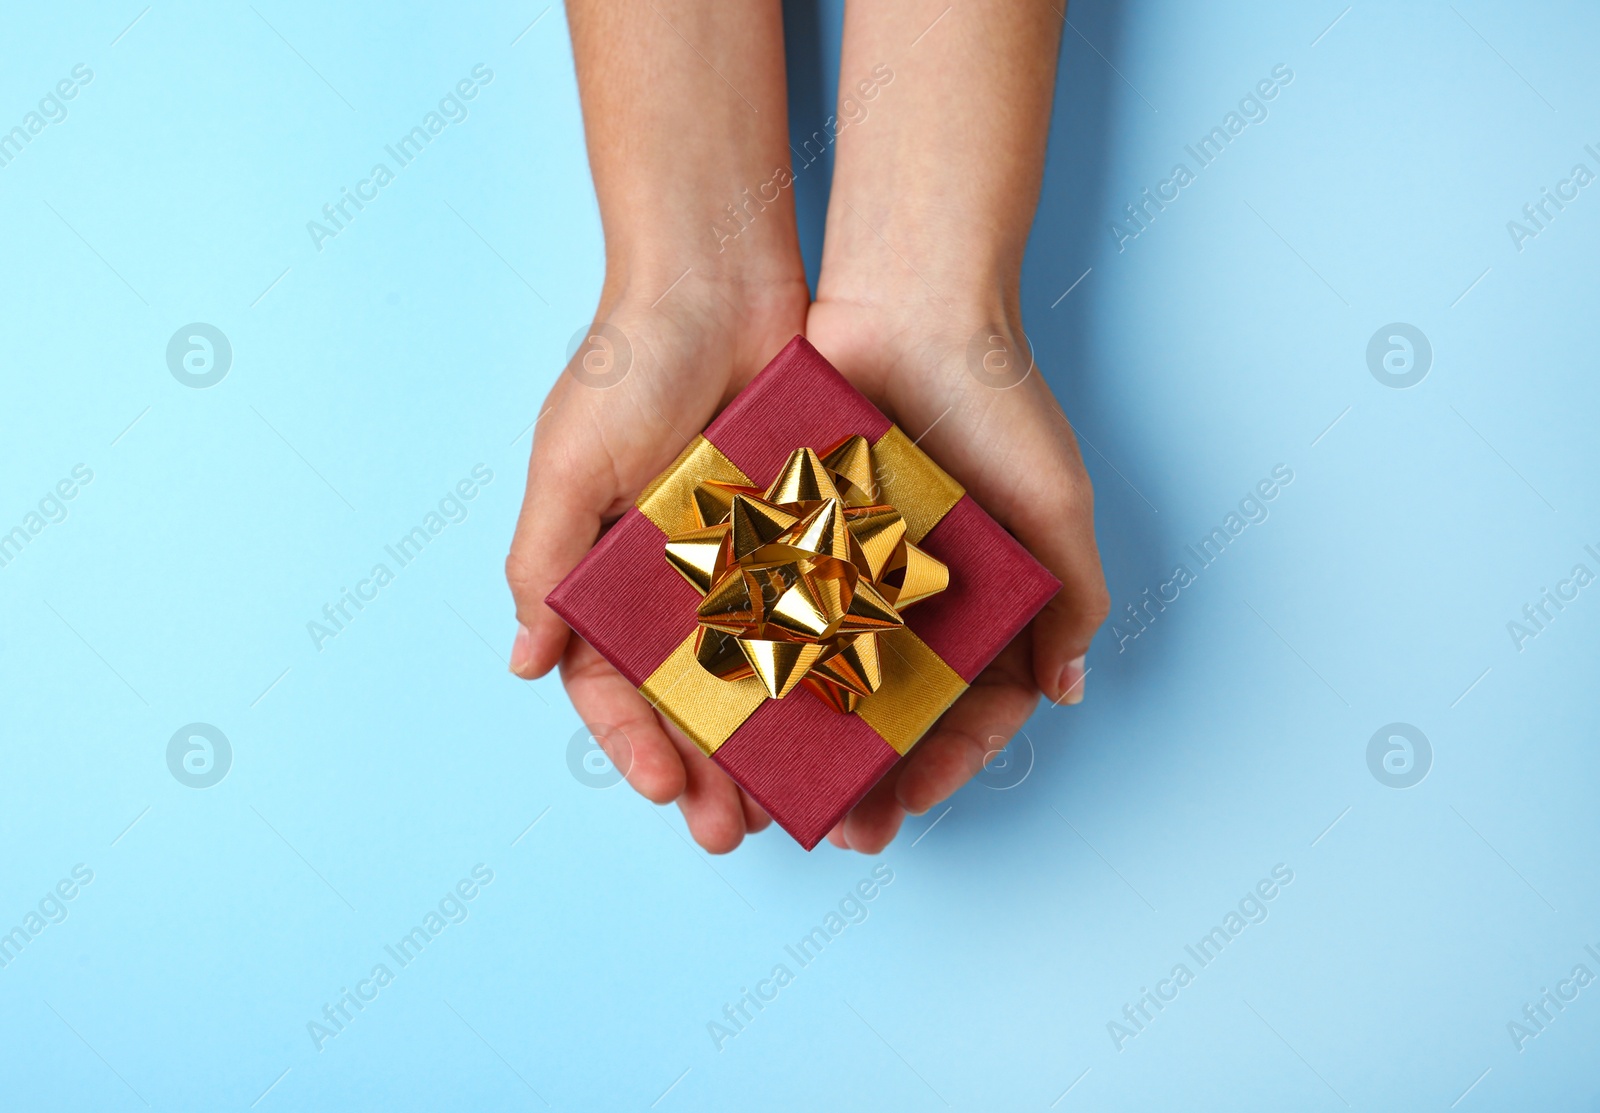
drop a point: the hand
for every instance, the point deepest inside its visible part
(593, 452)
(931, 204)
(1014, 452)
(683, 143)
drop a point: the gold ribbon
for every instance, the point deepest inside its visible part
(800, 580)
(917, 685)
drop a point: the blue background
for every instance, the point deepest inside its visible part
(1231, 735)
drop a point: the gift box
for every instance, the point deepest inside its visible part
(803, 592)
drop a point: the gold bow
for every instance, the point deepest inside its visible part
(800, 579)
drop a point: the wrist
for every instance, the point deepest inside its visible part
(741, 292)
(904, 264)
(726, 236)
(930, 301)
(664, 272)
(664, 302)
(897, 342)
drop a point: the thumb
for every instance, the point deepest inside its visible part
(1058, 527)
(572, 485)
(1046, 500)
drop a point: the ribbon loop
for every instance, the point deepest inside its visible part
(797, 581)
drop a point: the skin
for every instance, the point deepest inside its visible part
(933, 196)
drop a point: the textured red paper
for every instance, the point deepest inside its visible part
(805, 763)
(799, 399)
(625, 599)
(995, 586)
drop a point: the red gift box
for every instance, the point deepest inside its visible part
(802, 759)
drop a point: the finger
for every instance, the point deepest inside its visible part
(710, 802)
(1017, 454)
(570, 486)
(836, 836)
(1050, 507)
(873, 823)
(1061, 535)
(755, 817)
(981, 721)
(604, 698)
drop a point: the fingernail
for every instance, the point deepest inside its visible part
(522, 651)
(1072, 678)
(900, 798)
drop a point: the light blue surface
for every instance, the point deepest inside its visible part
(1231, 736)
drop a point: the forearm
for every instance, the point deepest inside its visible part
(937, 189)
(683, 107)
